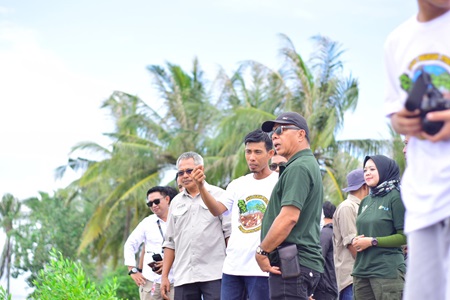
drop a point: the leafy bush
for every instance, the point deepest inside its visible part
(65, 279)
(127, 288)
(3, 294)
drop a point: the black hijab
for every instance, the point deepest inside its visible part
(388, 172)
(387, 168)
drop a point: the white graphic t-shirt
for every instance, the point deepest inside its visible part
(246, 200)
(410, 50)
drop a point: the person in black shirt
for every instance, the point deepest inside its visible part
(327, 287)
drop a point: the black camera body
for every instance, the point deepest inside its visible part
(427, 98)
(156, 257)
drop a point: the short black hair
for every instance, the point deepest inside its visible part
(164, 191)
(171, 192)
(328, 209)
(257, 136)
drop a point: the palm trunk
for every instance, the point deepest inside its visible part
(8, 264)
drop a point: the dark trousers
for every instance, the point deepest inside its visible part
(378, 288)
(210, 290)
(346, 293)
(244, 287)
(318, 295)
(296, 288)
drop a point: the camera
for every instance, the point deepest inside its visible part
(427, 98)
(156, 257)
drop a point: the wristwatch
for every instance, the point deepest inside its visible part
(260, 251)
(133, 270)
(374, 242)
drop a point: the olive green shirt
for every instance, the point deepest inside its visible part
(300, 185)
(379, 217)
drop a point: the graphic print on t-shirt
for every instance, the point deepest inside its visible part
(435, 64)
(251, 213)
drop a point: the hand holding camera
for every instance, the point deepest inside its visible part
(427, 98)
(156, 264)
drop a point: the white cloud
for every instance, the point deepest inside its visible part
(5, 10)
(45, 110)
(271, 8)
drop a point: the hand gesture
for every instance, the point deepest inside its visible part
(407, 123)
(198, 176)
(444, 133)
(138, 278)
(361, 243)
(165, 287)
(264, 264)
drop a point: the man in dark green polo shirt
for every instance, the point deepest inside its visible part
(294, 210)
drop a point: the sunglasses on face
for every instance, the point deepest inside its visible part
(156, 202)
(274, 166)
(187, 171)
(281, 129)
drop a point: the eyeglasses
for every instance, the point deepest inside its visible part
(156, 202)
(281, 129)
(187, 171)
(274, 166)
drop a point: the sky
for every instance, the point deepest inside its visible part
(60, 60)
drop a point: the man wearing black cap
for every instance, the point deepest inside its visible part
(344, 230)
(291, 221)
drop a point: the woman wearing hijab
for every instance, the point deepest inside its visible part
(379, 268)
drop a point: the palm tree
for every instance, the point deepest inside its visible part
(145, 143)
(322, 94)
(250, 96)
(211, 121)
(120, 179)
(9, 213)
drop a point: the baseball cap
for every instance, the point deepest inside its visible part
(355, 180)
(287, 118)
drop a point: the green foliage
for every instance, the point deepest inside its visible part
(4, 295)
(242, 206)
(261, 208)
(65, 279)
(9, 214)
(126, 288)
(212, 120)
(50, 222)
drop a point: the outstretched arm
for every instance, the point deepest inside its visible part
(215, 207)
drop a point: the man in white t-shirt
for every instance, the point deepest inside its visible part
(417, 54)
(246, 199)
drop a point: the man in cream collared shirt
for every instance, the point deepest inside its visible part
(195, 239)
(344, 230)
(150, 231)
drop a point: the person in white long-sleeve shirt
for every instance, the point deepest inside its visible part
(150, 231)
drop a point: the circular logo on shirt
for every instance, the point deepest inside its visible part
(251, 213)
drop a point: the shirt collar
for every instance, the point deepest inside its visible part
(207, 186)
(304, 152)
(354, 199)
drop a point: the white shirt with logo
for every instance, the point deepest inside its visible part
(246, 201)
(411, 47)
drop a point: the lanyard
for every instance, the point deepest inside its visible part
(160, 230)
(162, 234)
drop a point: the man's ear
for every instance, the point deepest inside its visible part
(271, 153)
(301, 134)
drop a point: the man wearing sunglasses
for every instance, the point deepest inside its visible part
(195, 239)
(150, 231)
(276, 161)
(291, 222)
